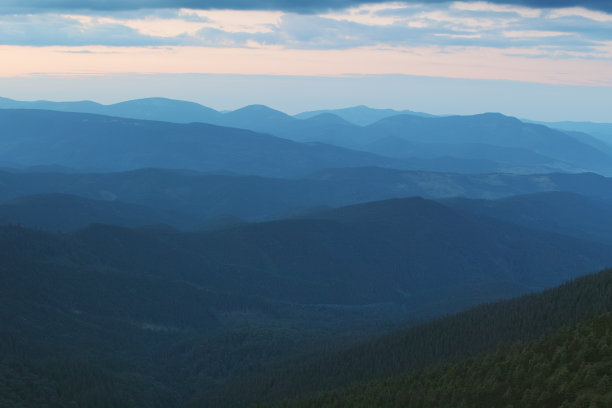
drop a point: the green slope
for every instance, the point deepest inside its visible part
(150, 312)
(571, 368)
(451, 338)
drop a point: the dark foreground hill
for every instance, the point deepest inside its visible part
(571, 368)
(151, 317)
(401, 354)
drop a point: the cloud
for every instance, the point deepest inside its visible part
(46, 30)
(556, 32)
(300, 6)
(456, 62)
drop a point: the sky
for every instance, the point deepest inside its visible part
(537, 59)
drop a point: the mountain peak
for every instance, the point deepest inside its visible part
(328, 119)
(252, 114)
(496, 116)
(258, 108)
(160, 102)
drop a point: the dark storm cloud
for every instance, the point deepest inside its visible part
(301, 6)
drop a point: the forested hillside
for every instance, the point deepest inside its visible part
(452, 338)
(571, 368)
(111, 315)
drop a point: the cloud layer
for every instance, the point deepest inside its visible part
(557, 33)
(461, 39)
(300, 6)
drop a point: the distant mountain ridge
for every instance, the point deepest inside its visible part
(173, 110)
(487, 131)
(361, 115)
(504, 142)
(89, 141)
(63, 213)
(209, 196)
(162, 109)
(94, 142)
(560, 212)
(600, 130)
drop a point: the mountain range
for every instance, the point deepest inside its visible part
(159, 253)
(63, 213)
(86, 141)
(160, 318)
(190, 200)
(487, 143)
(359, 115)
(561, 212)
(602, 131)
(331, 256)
